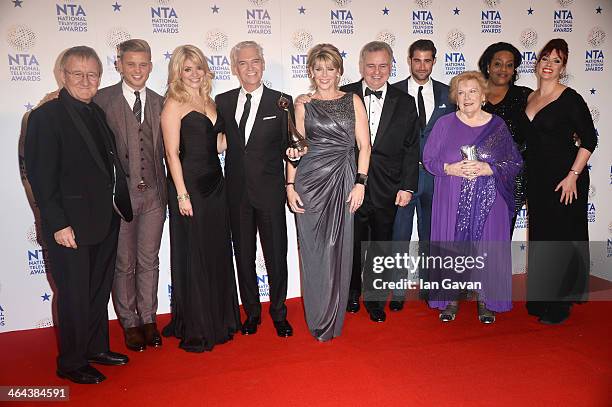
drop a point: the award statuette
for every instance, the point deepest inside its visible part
(296, 140)
(469, 152)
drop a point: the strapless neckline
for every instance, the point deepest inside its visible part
(203, 115)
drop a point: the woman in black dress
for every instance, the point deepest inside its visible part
(499, 64)
(557, 191)
(204, 299)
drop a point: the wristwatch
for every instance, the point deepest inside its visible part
(361, 179)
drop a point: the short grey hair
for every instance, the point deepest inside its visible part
(375, 46)
(241, 45)
(81, 52)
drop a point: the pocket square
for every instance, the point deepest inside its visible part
(442, 106)
(269, 118)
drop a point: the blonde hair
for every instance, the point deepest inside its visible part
(175, 87)
(328, 54)
(133, 45)
(467, 76)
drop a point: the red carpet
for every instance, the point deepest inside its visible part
(410, 360)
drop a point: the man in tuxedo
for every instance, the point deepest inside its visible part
(81, 190)
(432, 103)
(393, 173)
(256, 131)
(133, 114)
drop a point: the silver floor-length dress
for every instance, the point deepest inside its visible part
(324, 179)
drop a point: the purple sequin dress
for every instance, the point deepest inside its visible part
(475, 211)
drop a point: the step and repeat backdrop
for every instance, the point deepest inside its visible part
(35, 32)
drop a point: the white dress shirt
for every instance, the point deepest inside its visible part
(130, 97)
(255, 99)
(428, 96)
(374, 107)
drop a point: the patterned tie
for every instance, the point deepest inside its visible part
(137, 107)
(422, 113)
(245, 115)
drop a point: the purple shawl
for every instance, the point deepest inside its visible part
(494, 146)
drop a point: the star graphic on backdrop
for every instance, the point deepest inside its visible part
(167, 55)
(598, 10)
(28, 107)
(17, 3)
(116, 7)
(523, 246)
(589, 167)
(456, 11)
(529, 11)
(215, 9)
(302, 10)
(45, 297)
(343, 54)
(385, 11)
(593, 91)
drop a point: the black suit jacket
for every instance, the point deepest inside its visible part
(256, 169)
(70, 179)
(394, 162)
(442, 106)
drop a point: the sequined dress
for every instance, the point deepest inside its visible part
(511, 109)
(443, 146)
(324, 180)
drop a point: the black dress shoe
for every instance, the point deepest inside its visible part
(151, 335)
(83, 375)
(134, 339)
(250, 325)
(109, 358)
(283, 328)
(353, 302)
(555, 314)
(377, 315)
(396, 305)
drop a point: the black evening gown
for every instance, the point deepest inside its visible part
(511, 108)
(558, 258)
(204, 299)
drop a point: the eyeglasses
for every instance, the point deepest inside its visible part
(79, 76)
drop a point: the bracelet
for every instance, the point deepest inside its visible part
(574, 171)
(289, 183)
(361, 179)
(183, 197)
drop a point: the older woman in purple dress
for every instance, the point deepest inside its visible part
(474, 161)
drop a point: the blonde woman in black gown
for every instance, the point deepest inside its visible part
(204, 298)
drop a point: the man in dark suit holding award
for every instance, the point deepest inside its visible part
(80, 188)
(256, 131)
(133, 114)
(393, 173)
(432, 103)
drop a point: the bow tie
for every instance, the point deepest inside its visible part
(377, 93)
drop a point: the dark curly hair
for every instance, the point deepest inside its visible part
(487, 57)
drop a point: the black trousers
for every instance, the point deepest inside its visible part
(371, 225)
(83, 278)
(245, 221)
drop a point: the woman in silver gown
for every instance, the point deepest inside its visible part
(324, 191)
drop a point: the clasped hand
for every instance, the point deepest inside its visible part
(469, 169)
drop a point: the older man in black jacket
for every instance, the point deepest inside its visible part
(80, 189)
